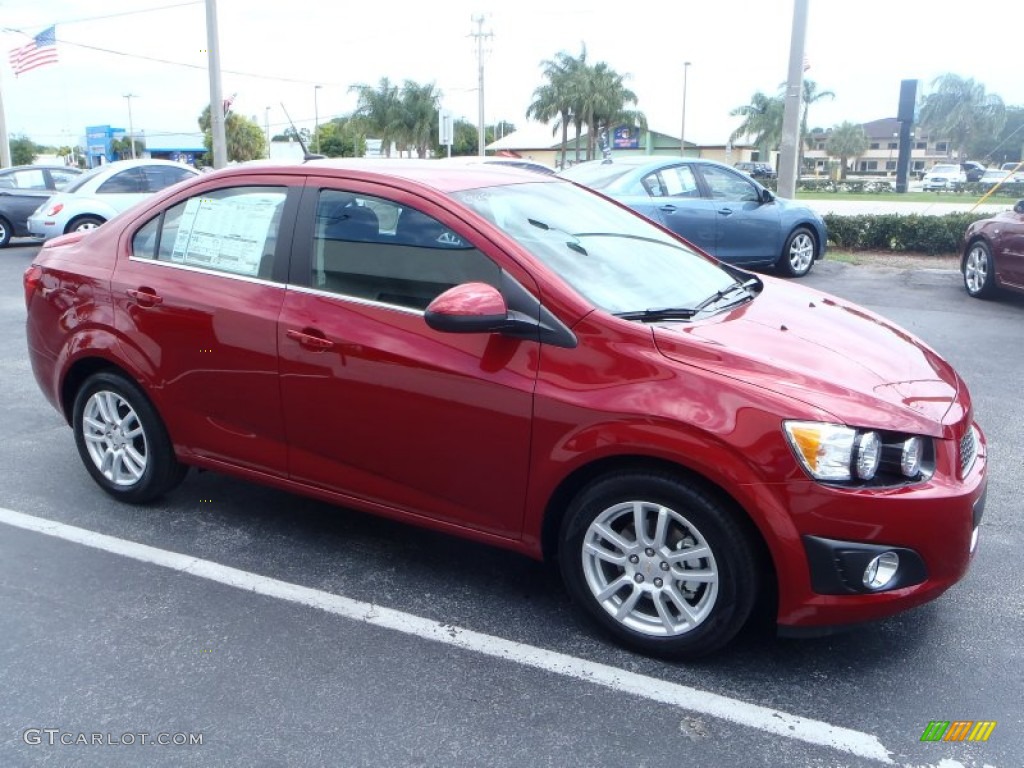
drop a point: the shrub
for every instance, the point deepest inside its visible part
(896, 232)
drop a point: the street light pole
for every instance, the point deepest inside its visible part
(266, 127)
(316, 120)
(131, 130)
(682, 129)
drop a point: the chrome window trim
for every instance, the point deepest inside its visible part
(207, 271)
(355, 300)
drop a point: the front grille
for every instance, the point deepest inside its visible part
(968, 451)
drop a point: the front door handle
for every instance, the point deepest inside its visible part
(145, 297)
(310, 338)
(667, 208)
(725, 211)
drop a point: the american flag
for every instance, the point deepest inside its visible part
(42, 50)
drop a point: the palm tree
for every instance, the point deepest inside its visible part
(381, 109)
(810, 96)
(960, 109)
(762, 121)
(419, 111)
(554, 99)
(608, 103)
(847, 140)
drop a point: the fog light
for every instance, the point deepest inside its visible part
(881, 570)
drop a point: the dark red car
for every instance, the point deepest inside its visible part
(993, 256)
(514, 359)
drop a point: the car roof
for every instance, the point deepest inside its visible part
(35, 166)
(444, 177)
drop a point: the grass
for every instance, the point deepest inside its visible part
(895, 260)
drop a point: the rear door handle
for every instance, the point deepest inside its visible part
(310, 338)
(725, 211)
(667, 208)
(145, 297)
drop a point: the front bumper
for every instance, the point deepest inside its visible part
(933, 528)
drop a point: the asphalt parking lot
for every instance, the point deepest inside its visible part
(280, 631)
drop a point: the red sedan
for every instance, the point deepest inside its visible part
(993, 256)
(511, 358)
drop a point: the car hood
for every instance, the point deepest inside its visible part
(827, 353)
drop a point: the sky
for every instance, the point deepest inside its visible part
(275, 53)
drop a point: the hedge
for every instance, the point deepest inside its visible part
(896, 232)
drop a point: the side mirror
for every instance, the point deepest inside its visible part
(1019, 207)
(767, 196)
(468, 308)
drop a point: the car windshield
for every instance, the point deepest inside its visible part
(75, 185)
(946, 169)
(613, 257)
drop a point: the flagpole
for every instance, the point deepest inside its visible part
(5, 146)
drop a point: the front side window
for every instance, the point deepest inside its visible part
(161, 176)
(726, 185)
(374, 249)
(228, 230)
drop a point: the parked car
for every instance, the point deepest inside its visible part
(973, 171)
(947, 177)
(102, 193)
(715, 207)
(511, 358)
(1016, 169)
(993, 176)
(756, 170)
(22, 189)
(993, 254)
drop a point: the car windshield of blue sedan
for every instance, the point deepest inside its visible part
(613, 257)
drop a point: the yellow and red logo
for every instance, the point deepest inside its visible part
(958, 730)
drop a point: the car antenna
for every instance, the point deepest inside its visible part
(306, 154)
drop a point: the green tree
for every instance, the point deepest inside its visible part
(762, 122)
(1003, 147)
(244, 137)
(381, 109)
(342, 137)
(608, 103)
(555, 100)
(23, 150)
(847, 140)
(123, 148)
(811, 95)
(961, 110)
(419, 108)
(290, 134)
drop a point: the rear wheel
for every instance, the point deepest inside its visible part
(659, 562)
(122, 441)
(83, 224)
(799, 253)
(5, 232)
(978, 270)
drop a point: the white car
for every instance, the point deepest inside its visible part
(102, 193)
(993, 176)
(940, 177)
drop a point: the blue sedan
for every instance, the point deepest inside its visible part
(720, 210)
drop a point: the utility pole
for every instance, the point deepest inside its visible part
(266, 127)
(480, 35)
(316, 120)
(131, 128)
(789, 156)
(682, 128)
(220, 144)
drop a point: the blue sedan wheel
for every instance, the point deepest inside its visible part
(798, 255)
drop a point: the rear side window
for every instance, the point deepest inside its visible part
(129, 181)
(229, 230)
(161, 176)
(378, 250)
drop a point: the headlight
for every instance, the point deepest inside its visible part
(835, 453)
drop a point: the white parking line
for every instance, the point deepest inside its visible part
(690, 699)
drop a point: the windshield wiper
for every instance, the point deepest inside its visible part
(686, 313)
(573, 244)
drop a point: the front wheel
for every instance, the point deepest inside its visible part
(660, 562)
(84, 224)
(979, 279)
(798, 255)
(5, 232)
(122, 441)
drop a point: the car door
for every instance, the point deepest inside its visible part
(747, 230)
(1010, 259)
(21, 192)
(378, 406)
(196, 298)
(673, 199)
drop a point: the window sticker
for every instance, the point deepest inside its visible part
(229, 234)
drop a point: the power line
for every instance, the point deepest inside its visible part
(65, 22)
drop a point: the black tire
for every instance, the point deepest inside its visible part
(137, 467)
(799, 253)
(978, 270)
(6, 232)
(719, 594)
(83, 223)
